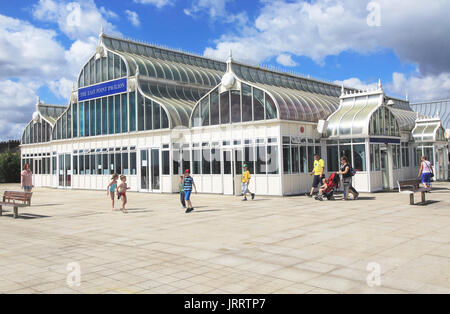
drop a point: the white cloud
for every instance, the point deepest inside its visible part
(61, 88)
(286, 60)
(321, 28)
(133, 17)
(357, 83)
(17, 102)
(158, 3)
(216, 10)
(78, 20)
(27, 51)
(421, 88)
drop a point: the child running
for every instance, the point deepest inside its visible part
(246, 183)
(182, 196)
(122, 191)
(111, 189)
(188, 184)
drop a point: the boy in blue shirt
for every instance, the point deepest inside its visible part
(188, 185)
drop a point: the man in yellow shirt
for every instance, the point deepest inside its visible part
(245, 184)
(318, 173)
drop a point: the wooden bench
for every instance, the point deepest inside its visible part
(15, 200)
(410, 187)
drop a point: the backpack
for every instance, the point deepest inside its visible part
(352, 171)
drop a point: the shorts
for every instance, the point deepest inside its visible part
(28, 188)
(245, 188)
(426, 178)
(317, 181)
(187, 195)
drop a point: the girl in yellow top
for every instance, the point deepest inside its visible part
(245, 184)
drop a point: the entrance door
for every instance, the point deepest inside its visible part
(150, 174)
(385, 169)
(65, 171)
(441, 165)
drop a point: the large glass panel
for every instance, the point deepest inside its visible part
(98, 114)
(75, 165)
(98, 164)
(295, 156)
(359, 157)
(125, 165)
(116, 66)
(215, 161)
(110, 66)
(155, 169)
(97, 71)
(227, 162)
(111, 115)
(75, 120)
(206, 161)
(225, 108)
(247, 106)
(118, 163)
(205, 111)
(132, 112)
(196, 161)
(271, 109)
(133, 164)
(346, 150)
(87, 164)
(93, 164)
(272, 160)
(304, 159)
(124, 113)
(249, 159)
(235, 106)
(286, 159)
(104, 116)
(261, 160)
(86, 118)
(104, 70)
(333, 158)
(92, 70)
(64, 128)
(81, 163)
(140, 117)
(148, 114)
(164, 119)
(258, 104)
(156, 116)
(166, 162)
(196, 120)
(214, 107)
(105, 164)
(310, 158)
(238, 161)
(186, 160)
(117, 115)
(144, 170)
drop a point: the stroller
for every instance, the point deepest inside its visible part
(333, 184)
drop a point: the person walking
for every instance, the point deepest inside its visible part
(27, 179)
(347, 176)
(426, 172)
(245, 183)
(318, 173)
(111, 189)
(181, 186)
(189, 184)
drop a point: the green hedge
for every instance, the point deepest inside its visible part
(10, 167)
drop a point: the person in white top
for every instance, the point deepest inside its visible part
(426, 172)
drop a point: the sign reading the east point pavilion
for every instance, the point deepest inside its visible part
(101, 90)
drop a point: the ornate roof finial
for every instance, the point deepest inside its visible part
(380, 86)
(342, 89)
(407, 97)
(102, 30)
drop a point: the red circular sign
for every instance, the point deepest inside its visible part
(302, 129)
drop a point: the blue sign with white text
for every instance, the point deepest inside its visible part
(101, 90)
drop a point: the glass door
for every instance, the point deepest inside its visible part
(145, 184)
(150, 174)
(238, 163)
(385, 167)
(64, 171)
(228, 172)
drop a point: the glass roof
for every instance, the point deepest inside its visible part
(353, 116)
(427, 131)
(432, 109)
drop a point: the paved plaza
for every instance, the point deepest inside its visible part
(270, 245)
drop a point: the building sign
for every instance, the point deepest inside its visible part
(102, 90)
(385, 140)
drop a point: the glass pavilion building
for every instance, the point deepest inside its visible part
(150, 113)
